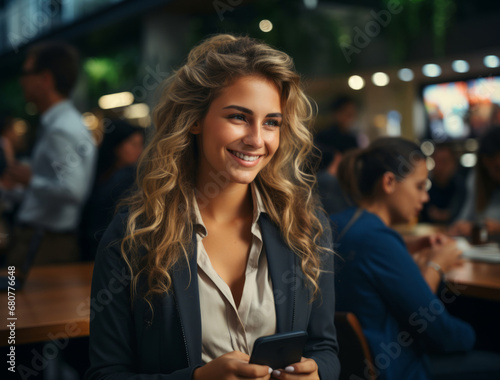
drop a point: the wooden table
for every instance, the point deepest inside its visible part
(54, 304)
(476, 279)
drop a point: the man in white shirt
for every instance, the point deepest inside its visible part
(63, 159)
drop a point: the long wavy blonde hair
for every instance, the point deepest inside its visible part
(161, 217)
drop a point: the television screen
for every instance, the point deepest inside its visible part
(462, 109)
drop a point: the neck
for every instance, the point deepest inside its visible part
(48, 101)
(232, 202)
(378, 209)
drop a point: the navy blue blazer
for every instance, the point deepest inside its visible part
(130, 342)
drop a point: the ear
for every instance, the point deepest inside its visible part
(388, 183)
(196, 128)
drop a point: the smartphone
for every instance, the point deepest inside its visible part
(279, 350)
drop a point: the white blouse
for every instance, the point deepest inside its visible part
(225, 327)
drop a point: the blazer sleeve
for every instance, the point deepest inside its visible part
(112, 345)
(322, 343)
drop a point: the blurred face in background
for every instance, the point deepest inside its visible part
(34, 83)
(129, 151)
(407, 197)
(492, 165)
(346, 116)
(445, 165)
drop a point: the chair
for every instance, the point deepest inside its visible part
(354, 354)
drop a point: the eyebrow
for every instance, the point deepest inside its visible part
(250, 112)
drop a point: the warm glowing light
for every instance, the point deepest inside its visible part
(468, 160)
(430, 163)
(120, 99)
(136, 111)
(356, 82)
(380, 79)
(20, 127)
(90, 120)
(266, 25)
(427, 148)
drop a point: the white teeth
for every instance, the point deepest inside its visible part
(244, 156)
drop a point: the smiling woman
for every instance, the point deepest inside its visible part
(239, 140)
(223, 240)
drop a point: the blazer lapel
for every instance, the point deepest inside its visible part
(281, 262)
(187, 296)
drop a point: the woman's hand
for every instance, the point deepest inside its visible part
(418, 244)
(306, 369)
(493, 226)
(231, 366)
(447, 255)
(461, 228)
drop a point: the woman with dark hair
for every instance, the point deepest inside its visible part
(483, 201)
(118, 153)
(378, 280)
(223, 241)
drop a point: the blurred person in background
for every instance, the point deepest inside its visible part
(483, 200)
(339, 137)
(62, 165)
(115, 176)
(11, 144)
(378, 280)
(447, 193)
(331, 194)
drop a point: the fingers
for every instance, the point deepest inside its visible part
(438, 238)
(253, 371)
(305, 369)
(237, 355)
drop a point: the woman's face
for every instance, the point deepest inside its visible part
(409, 195)
(240, 132)
(128, 152)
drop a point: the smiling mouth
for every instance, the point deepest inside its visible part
(244, 157)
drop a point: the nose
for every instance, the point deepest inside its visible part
(253, 136)
(425, 197)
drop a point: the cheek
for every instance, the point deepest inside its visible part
(273, 143)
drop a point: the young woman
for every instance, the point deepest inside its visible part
(483, 202)
(378, 280)
(223, 242)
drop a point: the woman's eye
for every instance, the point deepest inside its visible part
(273, 122)
(237, 116)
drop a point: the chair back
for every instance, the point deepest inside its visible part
(354, 354)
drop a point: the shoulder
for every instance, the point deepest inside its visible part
(68, 122)
(110, 244)
(367, 234)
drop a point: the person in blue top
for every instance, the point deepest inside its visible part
(379, 280)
